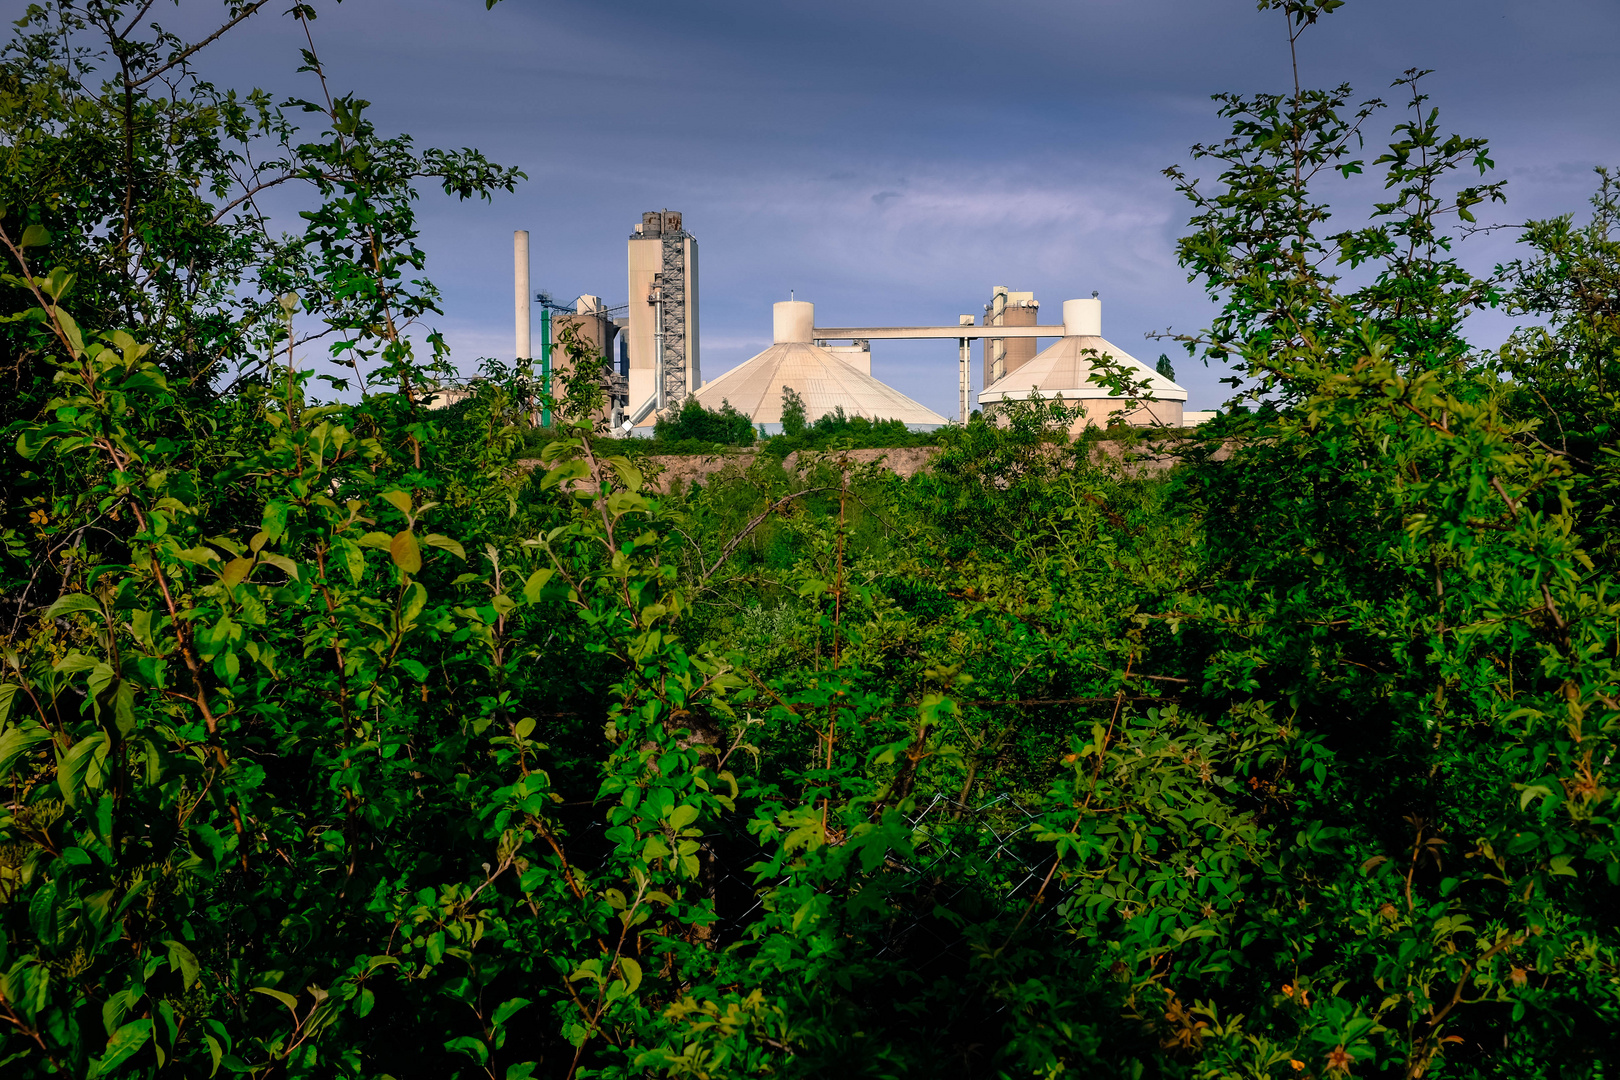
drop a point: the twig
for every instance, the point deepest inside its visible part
(181, 56)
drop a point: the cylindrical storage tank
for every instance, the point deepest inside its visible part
(793, 320)
(1019, 351)
(1082, 317)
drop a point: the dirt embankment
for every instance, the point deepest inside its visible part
(684, 470)
(1149, 458)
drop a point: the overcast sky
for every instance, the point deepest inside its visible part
(892, 160)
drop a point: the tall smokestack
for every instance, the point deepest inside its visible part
(520, 291)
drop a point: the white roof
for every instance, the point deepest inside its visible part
(1064, 369)
(822, 380)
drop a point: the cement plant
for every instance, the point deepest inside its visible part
(651, 354)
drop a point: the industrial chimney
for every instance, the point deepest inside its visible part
(520, 292)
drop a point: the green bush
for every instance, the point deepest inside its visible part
(724, 426)
(836, 430)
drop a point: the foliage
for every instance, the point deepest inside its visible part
(334, 746)
(794, 418)
(837, 430)
(724, 426)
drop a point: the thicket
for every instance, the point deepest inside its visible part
(694, 429)
(334, 746)
(837, 430)
(724, 426)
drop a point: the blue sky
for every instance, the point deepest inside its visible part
(893, 160)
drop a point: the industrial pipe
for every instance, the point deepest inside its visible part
(545, 367)
(646, 410)
(660, 396)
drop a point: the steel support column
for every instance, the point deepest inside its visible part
(964, 375)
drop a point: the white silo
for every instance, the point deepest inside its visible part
(824, 381)
(1064, 370)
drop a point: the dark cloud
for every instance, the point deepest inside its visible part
(1030, 140)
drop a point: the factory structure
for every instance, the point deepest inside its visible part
(650, 360)
(825, 378)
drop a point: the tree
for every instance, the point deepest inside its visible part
(794, 418)
(724, 426)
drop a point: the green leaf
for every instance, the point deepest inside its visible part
(473, 1048)
(34, 236)
(71, 769)
(123, 1045)
(123, 703)
(273, 522)
(354, 559)
(280, 562)
(683, 815)
(629, 475)
(286, 999)
(406, 555)
(631, 972)
(70, 329)
(444, 543)
(623, 502)
(144, 380)
(117, 1006)
(399, 500)
(1530, 792)
(128, 346)
(17, 742)
(509, 1009)
(536, 582)
(562, 474)
(415, 600)
(184, 961)
(72, 603)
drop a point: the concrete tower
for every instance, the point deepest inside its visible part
(663, 261)
(1005, 355)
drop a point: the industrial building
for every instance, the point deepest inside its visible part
(825, 379)
(663, 331)
(592, 325)
(657, 366)
(1064, 370)
(1001, 355)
